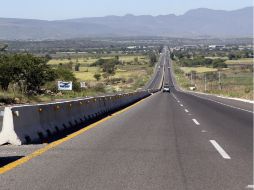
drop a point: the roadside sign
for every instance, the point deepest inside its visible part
(83, 85)
(62, 85)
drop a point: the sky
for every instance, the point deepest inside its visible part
(66, 9)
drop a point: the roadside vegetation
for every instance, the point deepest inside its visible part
(224, 73)
(32, 78)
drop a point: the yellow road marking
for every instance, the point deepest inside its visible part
(40, 151)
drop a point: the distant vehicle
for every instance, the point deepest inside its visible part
(168, 67)
(193, 88)
(166, 88)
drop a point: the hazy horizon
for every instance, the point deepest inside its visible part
(65, 9)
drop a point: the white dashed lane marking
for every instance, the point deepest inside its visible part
(220, 149)
(195, 121)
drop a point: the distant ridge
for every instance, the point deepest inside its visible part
(194, 23)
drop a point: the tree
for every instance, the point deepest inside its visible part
(207, 62)
(97, 76)
(77, 66)
(31, 71)
(231, 56)
(152, 58)
(109, 67)
(9, 71)
(180, 55)
(219, 63)
(34, 71)
(172, 56)
(64, 74)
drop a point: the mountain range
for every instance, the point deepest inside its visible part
(197, 23)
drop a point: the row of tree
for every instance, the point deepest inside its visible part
(201, 61)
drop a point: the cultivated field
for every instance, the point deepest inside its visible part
(197, 69)
(88, 60)
(240, 61)
(132, 72)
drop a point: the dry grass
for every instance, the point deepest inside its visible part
(197, 69)
(88, 60)
(240, 61)
(234, 82)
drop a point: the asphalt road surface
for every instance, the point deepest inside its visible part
(167, 141)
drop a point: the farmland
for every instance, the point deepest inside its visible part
(131, 73)
(198, 69)
(133, 70)
(248, 61)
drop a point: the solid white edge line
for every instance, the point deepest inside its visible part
(219, 102)
(224, 97)
(195, 121)
(191, 93)
(187, 111)
(220, 149)
(250, 186)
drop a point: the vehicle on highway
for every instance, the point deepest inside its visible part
(166, 88)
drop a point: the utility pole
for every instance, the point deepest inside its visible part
(220, 80)
(191, 79)
(205, 82)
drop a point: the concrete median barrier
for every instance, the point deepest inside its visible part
(27, 123)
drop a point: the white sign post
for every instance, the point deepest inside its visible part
(64, 85)
(83, 85)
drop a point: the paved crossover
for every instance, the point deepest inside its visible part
(167, 141)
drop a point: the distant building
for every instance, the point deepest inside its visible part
(132, 47)
(216, 46)
(190, 46)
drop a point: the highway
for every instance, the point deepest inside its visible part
(177, 140)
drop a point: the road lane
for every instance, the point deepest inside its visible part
(130, 152)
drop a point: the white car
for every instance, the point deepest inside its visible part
(166, 89)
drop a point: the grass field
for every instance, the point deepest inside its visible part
(225, 58)
(198, 69)
(236, 82)
(129, 76)
(240, 61)
(134, 73)
(87, 73)
(82, 61)
(88, 60)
